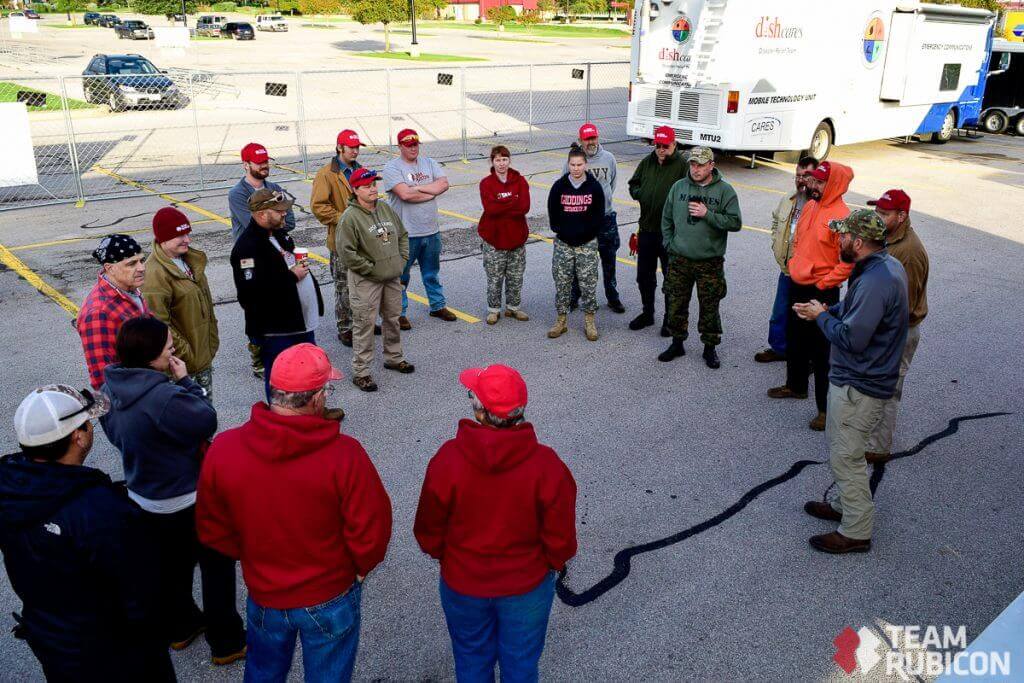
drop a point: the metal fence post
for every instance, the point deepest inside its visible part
(300, 124)
(465, 145)
(586, 116)
(72, 145)
(387, 96)
(529, 140)
(195, 123)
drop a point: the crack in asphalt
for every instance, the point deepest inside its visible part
(622, 559)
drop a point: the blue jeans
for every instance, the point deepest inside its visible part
(426, 250)
(780, 313)
(608, 242)
(329, 634)
(509, 631)
(271, 348)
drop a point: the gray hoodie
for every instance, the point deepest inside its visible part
(602, 166)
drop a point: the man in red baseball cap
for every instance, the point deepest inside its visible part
(601, 164)
(498, 509)
(303, 508)
(414, 182)
(178, 293)
(906, 247)
(329, 199)
(653, 178)
(256, 162)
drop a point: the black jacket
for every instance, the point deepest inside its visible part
(576, 214)
(267, 289)
(77, 555)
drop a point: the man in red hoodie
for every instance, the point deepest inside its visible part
(303, 508)
(498, 509)
(505, 196)
(817, 273)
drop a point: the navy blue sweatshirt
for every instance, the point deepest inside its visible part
(159, 427)
(576, 214)
(868, 328)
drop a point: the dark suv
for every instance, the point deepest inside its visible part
(123, 81)
(92, 18)
(109, 20)
(239, 30)
(133, 30)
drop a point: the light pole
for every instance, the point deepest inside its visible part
(414, 50)
(184, 17)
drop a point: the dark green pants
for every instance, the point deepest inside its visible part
(709, 277)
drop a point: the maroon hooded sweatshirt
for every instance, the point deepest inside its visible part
(503, 224)
(498, 509)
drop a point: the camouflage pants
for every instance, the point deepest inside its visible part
(342, 301)
(709, 276)
(204, 378)
(581, 263)
(504, 266)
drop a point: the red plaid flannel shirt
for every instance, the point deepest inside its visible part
(101, 316)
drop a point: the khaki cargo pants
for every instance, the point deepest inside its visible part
(881, 438)
(851, 418)
(370, 298)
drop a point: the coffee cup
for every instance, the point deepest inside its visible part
(301, 254)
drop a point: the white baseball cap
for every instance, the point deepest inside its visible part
(52, 412)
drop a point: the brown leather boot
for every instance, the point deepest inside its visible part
(768, 356)
(403, 323)
(837, 544)
(784, 392)
(517, 313)
(816, 508)
(818, 423)
(444, 314)
(877, 458)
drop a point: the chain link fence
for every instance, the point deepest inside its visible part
(96, 137)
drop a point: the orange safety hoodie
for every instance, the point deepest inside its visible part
(815, 259)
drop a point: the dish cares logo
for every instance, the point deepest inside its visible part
(916, 651)
(874, 41)
(682, 29)
(771, 28)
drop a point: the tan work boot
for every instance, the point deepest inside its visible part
(559, 328)
(517, 313)
(590, 325)
(492, 318)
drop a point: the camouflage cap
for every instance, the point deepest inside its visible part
(861, 223)
(701, 155)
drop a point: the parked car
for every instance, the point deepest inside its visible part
(123, 81)
(16, 14)
(92, 18)
(109, 20)
(239, 30)
(271, 22)
(31, 14)
(175, 18)
(133, 30)
(210, 25)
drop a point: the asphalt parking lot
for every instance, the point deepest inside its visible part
(694, 469)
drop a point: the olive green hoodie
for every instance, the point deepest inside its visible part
(374, 243)
(700, 238)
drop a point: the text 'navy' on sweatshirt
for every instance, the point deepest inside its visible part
(576, 214)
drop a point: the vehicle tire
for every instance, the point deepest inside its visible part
(1018, 125)
(994, 122)
(114, 102)
(821, 142)
(945, 134)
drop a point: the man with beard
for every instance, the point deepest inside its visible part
(867, 331)
(256, 162)
(817, 273)
(601, 164)
(784, 220)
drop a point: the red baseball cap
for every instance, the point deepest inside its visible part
(499, 388)
(303, 367)
(169, 223)
(255, 153)
(664, 135)
(822, 172)
(892, 200)
(407, 137)
(362, 176)
(349, 138)
(588, 131)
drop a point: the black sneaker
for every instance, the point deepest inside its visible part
(675, 350)
(641, 321)
(617, 306)
(711, 357)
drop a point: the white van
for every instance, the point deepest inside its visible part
(792, 75)
(271, 22)
(210, 25)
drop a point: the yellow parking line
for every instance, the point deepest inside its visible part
(30, 276)
(188, 205)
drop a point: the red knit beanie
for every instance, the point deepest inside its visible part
(169, 223)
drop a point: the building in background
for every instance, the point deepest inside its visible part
(470, 10)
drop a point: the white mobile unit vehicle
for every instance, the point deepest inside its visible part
(271, 22)
(792, 75)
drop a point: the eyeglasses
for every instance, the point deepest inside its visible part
(328, 389)
(90, 401)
